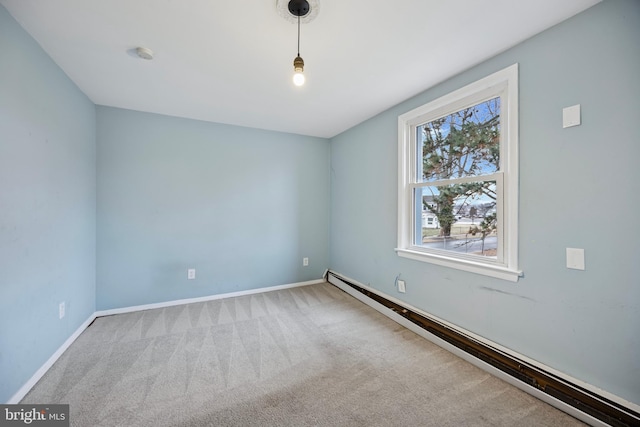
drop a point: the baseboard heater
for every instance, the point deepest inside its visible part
(583, 400)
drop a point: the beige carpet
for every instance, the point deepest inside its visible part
(309, 356)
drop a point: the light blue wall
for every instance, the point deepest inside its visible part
(47, 206)
(244, 206)
(579, 187)
(241, 206)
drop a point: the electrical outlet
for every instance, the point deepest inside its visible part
(305, 262)
(191, 273)
(401, 286)
(61, 310)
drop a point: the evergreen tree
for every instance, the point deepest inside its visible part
(462, 144)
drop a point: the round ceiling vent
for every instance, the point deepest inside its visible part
(283, 10)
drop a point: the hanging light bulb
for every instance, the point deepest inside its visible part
(298, 8)
(298, 68)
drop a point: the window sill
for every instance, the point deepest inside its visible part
(485, 269)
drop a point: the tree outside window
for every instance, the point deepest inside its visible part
(458, 178)
(463, 144)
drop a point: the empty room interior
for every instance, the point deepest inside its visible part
(443, 211)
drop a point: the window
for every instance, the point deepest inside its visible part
(458, 178)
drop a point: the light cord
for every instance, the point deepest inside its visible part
(298, 34)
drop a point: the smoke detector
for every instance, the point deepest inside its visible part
(144, 53)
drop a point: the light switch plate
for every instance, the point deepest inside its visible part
(575, 258)
(571, 116)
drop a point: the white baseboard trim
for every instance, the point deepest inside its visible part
(22, 392)
(134, 308)
(466, 356)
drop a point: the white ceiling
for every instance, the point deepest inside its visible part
(231, 61)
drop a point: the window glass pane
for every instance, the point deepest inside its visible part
(459, 218)
(464, 143)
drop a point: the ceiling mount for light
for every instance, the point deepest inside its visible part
(282, 7)
(298, 8)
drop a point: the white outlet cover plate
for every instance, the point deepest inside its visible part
(575, 258)
(401, 286)
(571, 116)
(191, 273)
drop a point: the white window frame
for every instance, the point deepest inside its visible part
(504, 84)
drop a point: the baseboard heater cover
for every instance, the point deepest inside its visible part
(583, 400)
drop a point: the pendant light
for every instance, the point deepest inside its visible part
(298, 8)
